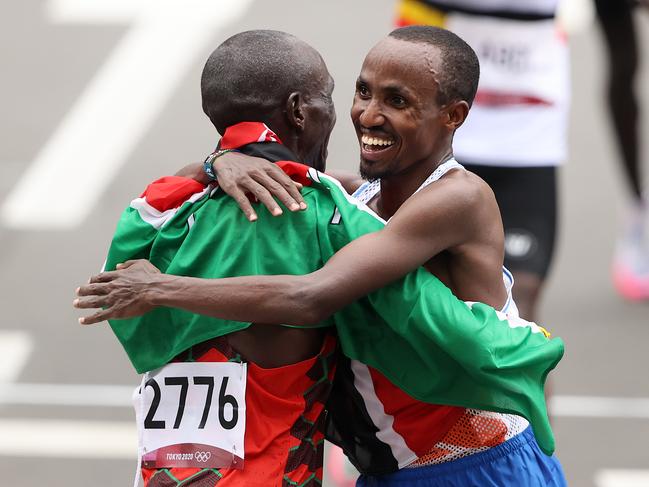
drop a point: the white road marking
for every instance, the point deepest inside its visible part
(117, 440)
(15, 348)
(599, 407)
(622, 478)
(95, 138)
(94, 395)
(68, 439)
(67, 395)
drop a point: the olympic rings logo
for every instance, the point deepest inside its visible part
(202, 456)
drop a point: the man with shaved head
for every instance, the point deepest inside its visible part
(414, 90)
(242, 405)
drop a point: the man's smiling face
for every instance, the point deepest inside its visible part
(395, 112)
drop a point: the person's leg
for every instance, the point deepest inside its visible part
(527, 198)
(616, 20)
(631, 261)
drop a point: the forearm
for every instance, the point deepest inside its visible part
(291, 300)
(194, 171)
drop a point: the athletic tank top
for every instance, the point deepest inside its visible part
(383, 429)
(520, 112)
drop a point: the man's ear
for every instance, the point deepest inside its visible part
(457, 113)
(295, 111)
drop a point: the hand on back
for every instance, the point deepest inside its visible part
(244, 177)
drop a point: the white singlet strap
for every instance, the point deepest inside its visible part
(439, 172)
(370, 189)
(367, 191)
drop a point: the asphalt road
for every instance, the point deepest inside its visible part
(80, 110)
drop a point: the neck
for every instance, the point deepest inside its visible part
(396, 189)
(291, 141)
(287, 135)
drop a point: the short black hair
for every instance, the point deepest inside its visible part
(460, 66)
(251, 74)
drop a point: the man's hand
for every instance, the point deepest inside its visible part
(240, 175)
(122, 293)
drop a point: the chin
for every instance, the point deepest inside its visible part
(370, 172)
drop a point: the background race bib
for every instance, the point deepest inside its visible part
(192, 415)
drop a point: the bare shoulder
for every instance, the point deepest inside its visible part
(476, 205)
(459, 190)
(460, 204)
(476, 190)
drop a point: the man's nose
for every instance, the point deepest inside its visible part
(372, 115)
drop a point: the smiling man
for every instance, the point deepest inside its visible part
(414, 90)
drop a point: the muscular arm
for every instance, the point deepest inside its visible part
(362, 266)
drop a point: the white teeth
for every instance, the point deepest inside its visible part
(367, 140)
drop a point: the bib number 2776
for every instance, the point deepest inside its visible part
(192, 415)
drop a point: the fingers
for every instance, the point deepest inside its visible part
(242, 200)
(89, 302)
(260, 192)
(104, 314)
(94, 301)
(103, 277)
(138, 264)
(99, 289)
(262, 179)
(128, 263)
(283, 188)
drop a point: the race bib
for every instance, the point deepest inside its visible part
(192, 415)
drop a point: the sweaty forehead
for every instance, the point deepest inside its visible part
(415, 66)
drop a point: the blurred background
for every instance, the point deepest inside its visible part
(98, 98)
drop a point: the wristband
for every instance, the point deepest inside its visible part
(208, 164)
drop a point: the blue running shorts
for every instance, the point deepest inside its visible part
(517, 463)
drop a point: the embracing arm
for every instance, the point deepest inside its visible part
(362, 266)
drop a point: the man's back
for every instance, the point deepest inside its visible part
(191, 230)
(275, 346)
(202, 234)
